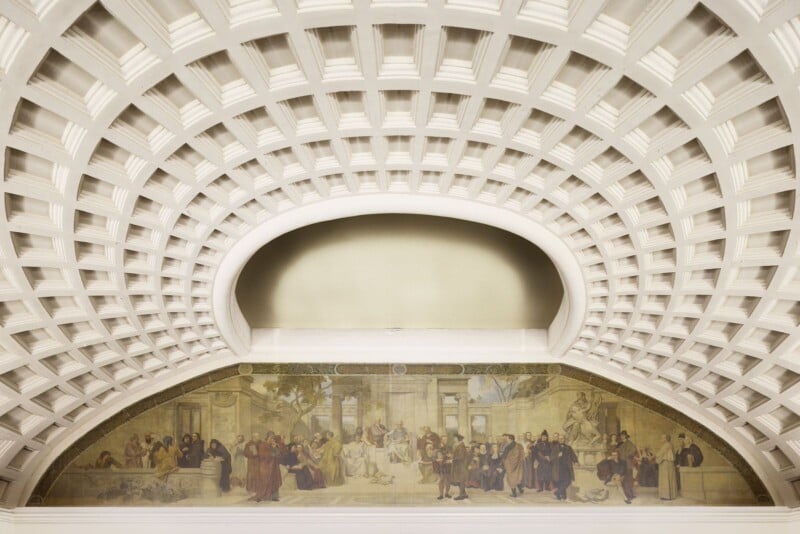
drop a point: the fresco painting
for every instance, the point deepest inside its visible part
(398, 438)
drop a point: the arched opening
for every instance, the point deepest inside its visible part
(399, 271)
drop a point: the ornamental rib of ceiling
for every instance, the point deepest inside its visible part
(656, 138)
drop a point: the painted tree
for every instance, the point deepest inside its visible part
(299, 394)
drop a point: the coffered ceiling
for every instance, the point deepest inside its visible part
(655, 138)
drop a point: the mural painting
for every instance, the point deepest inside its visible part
(399, 438)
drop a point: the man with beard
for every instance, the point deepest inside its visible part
(690, 454)
(268, 481)
(251, 453)
(564, 460)
(133, 452)
(197, 451)
(461, 461)
(541, 452)
(428, 437)
(377, 432)
(513, 458)
(148, 445)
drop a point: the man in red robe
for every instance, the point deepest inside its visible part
(269, 472)
(251, 453)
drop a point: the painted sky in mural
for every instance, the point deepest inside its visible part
(378, 440)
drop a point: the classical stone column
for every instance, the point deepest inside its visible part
(360, 411)
(463, 416)
(336, 414)
(440, 415)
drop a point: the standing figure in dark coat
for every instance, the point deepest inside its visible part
(269, 473)
(474, 480)
(496, 470)
(630, 454)
(648, 470)
(219, 453)
(185, 448)
(564, 460)
(197, 451)
(443, 466)
(485, 468)
(544, 472)
(461, 461)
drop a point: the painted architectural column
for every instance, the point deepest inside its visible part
(463, 416)
(336, 414)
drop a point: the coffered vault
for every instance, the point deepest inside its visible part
(652, 142)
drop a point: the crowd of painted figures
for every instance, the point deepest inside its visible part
(502, 463)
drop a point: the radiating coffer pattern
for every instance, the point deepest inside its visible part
(656, 138)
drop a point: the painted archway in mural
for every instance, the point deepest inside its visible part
(399, 434)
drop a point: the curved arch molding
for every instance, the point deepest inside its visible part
(54, 471)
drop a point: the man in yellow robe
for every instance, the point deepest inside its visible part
(331, 461)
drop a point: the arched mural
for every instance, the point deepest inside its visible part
(408, 435)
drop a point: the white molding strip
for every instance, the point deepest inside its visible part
(565, 520)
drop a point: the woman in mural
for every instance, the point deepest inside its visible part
(667, 485)
(219, 453)
(166, 458)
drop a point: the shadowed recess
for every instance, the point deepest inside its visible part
(399, 271)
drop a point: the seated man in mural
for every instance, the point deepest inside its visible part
(399, 446)
(580, 425)
(377, 433)
(355, 458)
(618, 470)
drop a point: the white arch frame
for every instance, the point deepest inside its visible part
(559, 335)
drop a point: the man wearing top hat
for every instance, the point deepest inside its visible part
(629, 453)
(542, 454)
(460, 472)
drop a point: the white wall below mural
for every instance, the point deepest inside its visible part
(774, 520)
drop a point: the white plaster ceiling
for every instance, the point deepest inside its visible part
(143, 138)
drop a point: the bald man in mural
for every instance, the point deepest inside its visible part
(513, 461)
